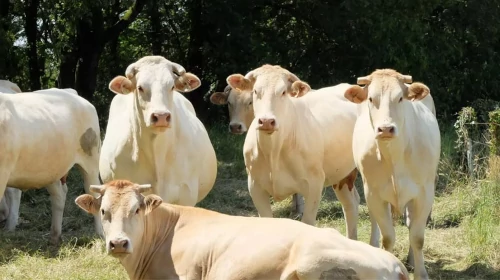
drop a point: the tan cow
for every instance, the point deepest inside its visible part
(396, 146)
(297, 145)
(155, 240)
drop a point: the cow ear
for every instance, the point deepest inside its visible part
(219, 98)
(121, 85)
(417, 91)
(187, 82)
(239, 82)
(299, 88)
(151, 202)
(355, 94)
(88, 203)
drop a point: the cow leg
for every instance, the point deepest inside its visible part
(312, 202)
(260, 199)
(375, 232)
(298, 204)
(91, 177)
(418, 212)
(13, 199)
(4, 209)
(350, 206)
(57, 192)
(380, 211)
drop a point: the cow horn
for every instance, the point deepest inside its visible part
(366, 80)
(97, 188)
(178, 69)
(406, 79)
(144, 187)
(131, 71)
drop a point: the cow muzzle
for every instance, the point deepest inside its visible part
(386, 132)
(236, 128)
(160, 119)
(267, 125)
(119, 247)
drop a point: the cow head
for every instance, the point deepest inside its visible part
(122, 208)
(272, 88)
(386, 92)
(240, 108)
(153, 79)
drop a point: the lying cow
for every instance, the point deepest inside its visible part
(153, 134)
(297, 145)
(396, 146)
(155, 240)
(46, 132)
(241, 116)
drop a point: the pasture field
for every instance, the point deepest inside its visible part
(462, 241)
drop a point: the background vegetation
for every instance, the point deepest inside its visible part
(450, 45)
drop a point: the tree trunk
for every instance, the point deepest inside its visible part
(195, 58)
(67, 68)
(30, 27)
(156, 34)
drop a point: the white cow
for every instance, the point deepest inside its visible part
(45, 133)
(11, 200)
(396, 146)
(241, 116)
(154, 136)
(297, 145)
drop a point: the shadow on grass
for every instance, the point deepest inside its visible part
(438, 271)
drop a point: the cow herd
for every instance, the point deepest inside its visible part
(157, 161)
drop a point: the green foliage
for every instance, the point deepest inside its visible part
(494, 131)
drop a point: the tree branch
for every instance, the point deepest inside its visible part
(130, 15)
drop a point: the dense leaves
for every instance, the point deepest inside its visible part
(450, 45)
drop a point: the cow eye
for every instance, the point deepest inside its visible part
(102, 212)
(139, 88)
(137, 211)
(400, 99)
(173, 87)
(229, 103)
(371, 100)
(250, 103)
(283, 93)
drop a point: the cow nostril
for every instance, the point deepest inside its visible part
(379, 129)
(273, 122)
(154, 118)
(239, 127)
(125, 244)
(260, 121)
(391, 130)
(168, 118)
(111, 245)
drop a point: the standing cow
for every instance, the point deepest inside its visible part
(241, 116)
(297, 145)
(396, 146)
(45, 133)
(11, 200)
(153, 134)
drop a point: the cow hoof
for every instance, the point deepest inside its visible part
(55, 240)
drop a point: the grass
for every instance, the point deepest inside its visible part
(461, 241)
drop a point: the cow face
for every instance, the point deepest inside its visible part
(272, 87)
(239, 105)
(386, 92)
(122, 209)
(152, 80)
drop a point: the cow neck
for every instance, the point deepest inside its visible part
(159, 226)
(390, 165)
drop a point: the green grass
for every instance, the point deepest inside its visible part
(461, 241)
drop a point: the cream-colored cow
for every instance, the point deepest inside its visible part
(155, 240)
(241, 116)
(396, 146)
(45, 133)
(153, 134)
(297, 145)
